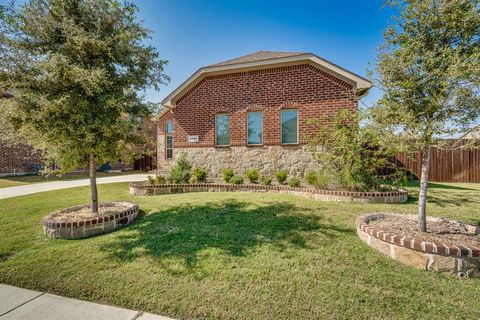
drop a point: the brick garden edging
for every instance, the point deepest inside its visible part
(145, 189)
(436, 256)
(88, 227)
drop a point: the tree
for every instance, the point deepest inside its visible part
(429, 71)
(350, 148)
(77, 67)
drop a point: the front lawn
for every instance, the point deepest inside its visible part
(235, 256)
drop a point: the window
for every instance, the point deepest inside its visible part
(289, 126)
(222, 130)
(255, 128)
(169, 140)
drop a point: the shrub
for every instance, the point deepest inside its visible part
(227, 174)
(160, 179)
(151, 180)
(353, 151)
(252, 175)
(294, 182)
(281, 176)
(200, 174)
(266, 181)
(320, 179)
(236, 180)
(181, 171)
(193, 180)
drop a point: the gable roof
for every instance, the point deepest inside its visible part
(263, 60)
(257, 56)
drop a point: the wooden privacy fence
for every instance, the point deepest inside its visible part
(456, 165)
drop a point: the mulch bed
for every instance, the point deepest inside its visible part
(86, 213)
(444, 231)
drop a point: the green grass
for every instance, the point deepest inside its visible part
(36, 178)
(236, 256)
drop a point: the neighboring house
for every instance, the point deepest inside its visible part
(17, 158)
(252, 112)
(473, 133)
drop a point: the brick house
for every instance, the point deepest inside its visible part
(17, 158)
(252, 112)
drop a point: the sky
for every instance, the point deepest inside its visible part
(192, 34)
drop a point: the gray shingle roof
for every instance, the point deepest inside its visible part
(257, 56)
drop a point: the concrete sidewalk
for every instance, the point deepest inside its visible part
(11, 192)
(23, 304)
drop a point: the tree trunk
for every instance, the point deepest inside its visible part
(93, 184)
(422, 197)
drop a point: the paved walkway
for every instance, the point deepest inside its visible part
(11, 192)
(23, 304)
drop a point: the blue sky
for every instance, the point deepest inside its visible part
(191, 34)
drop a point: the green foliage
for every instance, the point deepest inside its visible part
(252, 175)
(181, 171)
(266, 181)
(159, 179)
(351, 151)
(294, 182)
(200, 175)
(281, 176)
(236, 180)
(193, 180)
(78, 69)
(320, 179)
(428, 69)
(227, 174)
(151, 180)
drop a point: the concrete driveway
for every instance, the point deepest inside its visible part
(22, 304)
(11, 192)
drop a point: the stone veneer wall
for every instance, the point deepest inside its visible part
(456, 259)
(297, 160)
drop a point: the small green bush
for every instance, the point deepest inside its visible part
(252, 175)
(266, 181)
(151, 180)
(160, 179)
(181, 171)
(227, 174)
(200, 174)
(320, 179)
(294, 182)
(193, 180)
(281, 176)
(236, 180)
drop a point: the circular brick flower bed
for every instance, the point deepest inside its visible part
(145, 189)
(76, 222)
(453, 251)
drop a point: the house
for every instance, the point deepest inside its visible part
(252, 112)
(16, 158)
(473, 133)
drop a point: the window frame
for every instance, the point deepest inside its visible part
(168, 135)
(216, 130)
(261, 142)
(281, 127)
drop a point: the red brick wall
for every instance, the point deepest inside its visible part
(304, 87)
(17, 158)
